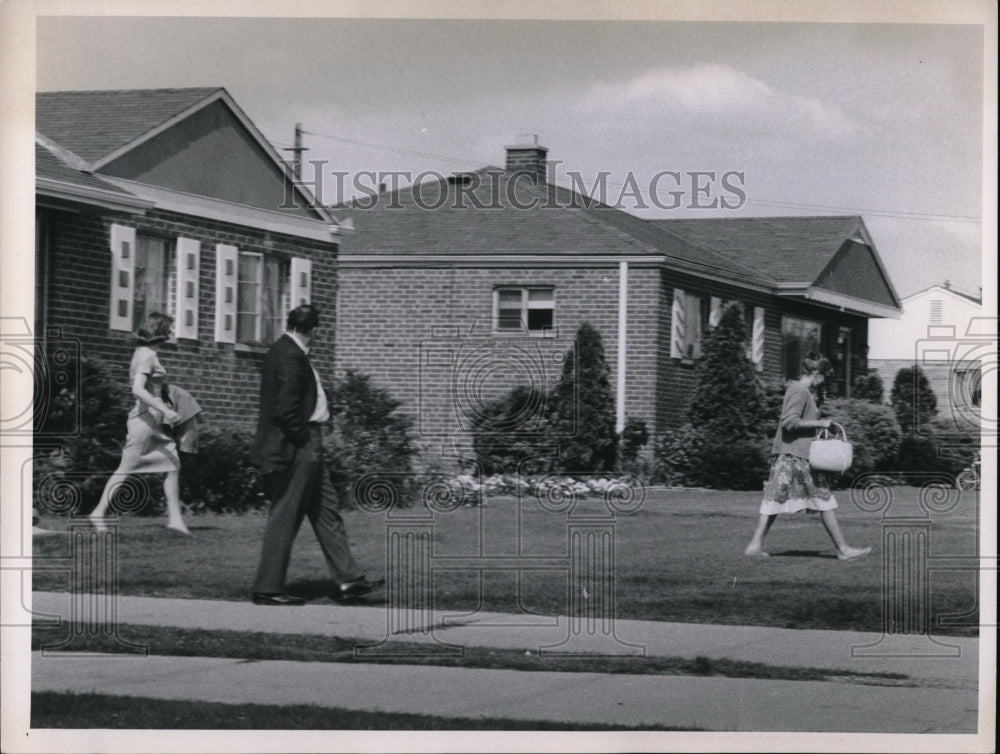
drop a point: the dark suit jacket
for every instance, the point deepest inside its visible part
(287, 400)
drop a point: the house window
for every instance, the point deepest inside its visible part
(155, 278)
(799, 337)
(262, 297)
(518, 310)
(690, 316)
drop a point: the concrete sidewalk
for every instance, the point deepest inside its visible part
(940, 696)
(950, 661)
(721, 704)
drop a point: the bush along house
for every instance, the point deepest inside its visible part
(453, 291)
(171, 200)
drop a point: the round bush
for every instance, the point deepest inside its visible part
(872, 429)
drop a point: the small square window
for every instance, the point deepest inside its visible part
(519, 310)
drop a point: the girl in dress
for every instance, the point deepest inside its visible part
(792, 486)
(148, 447)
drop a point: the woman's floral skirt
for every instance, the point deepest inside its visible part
(793, 486)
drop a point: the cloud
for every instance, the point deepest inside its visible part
(721, 93)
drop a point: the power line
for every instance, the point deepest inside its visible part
(900, 214)
(387, 148)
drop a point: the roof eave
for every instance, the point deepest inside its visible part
(838, 300)
(171, 200)
(91, 196)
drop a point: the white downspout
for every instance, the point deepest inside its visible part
(622, 337)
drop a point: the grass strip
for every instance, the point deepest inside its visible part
(184, 642)
(50, 709)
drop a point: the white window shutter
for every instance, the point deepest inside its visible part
(715, 312)
(188, 265)
(677, 339)
(122, 277)
(226, 279)
(694, 325)
(757, 347)
(301, 274)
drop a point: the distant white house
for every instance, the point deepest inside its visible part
(942, 331)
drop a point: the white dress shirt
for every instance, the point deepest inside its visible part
(321, 413)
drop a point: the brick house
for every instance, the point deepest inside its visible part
(172, 200)
(452, 291)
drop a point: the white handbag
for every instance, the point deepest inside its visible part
(834, 454)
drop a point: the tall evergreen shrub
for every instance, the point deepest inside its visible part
(581, 415)
(913, 399)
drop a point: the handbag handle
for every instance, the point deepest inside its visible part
(823, 434)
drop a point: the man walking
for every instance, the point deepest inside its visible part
(288, 449)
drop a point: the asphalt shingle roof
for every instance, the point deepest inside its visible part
(93, 124)
(785, 249)
(486, 220)
(48, 165)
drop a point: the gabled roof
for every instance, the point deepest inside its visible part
(95, 124)
(785, 249)
(943, 289)
(828, 259)
(194, 142)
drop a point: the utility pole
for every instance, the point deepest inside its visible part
(297, 151)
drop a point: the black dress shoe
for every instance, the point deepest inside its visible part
(276, 599)
(357, 587)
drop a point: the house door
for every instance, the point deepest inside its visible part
(841, 358)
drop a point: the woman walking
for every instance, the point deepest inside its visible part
(792, 486)
(148, 447)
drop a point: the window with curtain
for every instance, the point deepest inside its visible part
(262, 297)
(155, 274)
(799, 337)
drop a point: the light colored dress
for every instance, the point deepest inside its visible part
(148, 447)
(792, 485)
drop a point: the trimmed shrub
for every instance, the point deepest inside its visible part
(91, 449)
(912, 399)
(939, 448)
(370, 438)
(582, 407)
(725, 443)
(774, 399)
(729, 401)
(868, 387)
(675, 456)
(507, 432)
(221, 478)
(872, 429)
(634, 438)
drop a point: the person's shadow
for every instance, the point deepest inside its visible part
(314, 590)
(803, 554)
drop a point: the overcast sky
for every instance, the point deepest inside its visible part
(880, 120)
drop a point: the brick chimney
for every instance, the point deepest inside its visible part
(527, 155)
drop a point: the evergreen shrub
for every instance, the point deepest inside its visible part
(868, 387)
(872, 430)
(370, 438)
(581, 409)
(912, 399)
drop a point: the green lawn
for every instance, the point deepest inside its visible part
(678, 558)
(55, 710)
